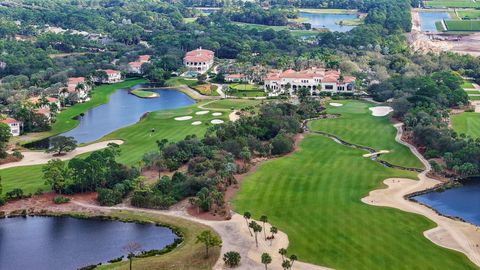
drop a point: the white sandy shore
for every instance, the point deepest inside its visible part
(196, 123)
(183, 118)
(334, 104)
(216, 113)
(380, 110)
(449, 233)
(202, 112)
(36, 158)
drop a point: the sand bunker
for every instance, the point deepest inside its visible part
(216, 121)
(336, 104)
(381, 110)
(216, 113)
(196, 123)
(183, 118)
(202, 112)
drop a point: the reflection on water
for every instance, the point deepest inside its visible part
(329, 21)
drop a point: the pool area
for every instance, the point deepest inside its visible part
(330, 21)
(428, 20)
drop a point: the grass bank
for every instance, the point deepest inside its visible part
(144, 93)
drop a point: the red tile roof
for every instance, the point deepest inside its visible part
(111, 71)
(36, 100)
(234, 76)
(43, 111)
(199, 55)
(76, 80)
(329, 76)
(135, 64)
(9, 120)
(144, 58)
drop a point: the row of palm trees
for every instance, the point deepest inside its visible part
(266, 259)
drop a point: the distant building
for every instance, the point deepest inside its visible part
(136, 67)
(77, 85)
(236, 78)
(199, 60)
(44, 111)
(14, 125)
(50, 100)
(316, 80)
(113, 76)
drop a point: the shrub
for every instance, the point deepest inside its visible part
(39, 191)
(16, 193)
(60, 199)
(232, 258)
(281, 144)
(109, 197)
(2, 201)
(17, 154)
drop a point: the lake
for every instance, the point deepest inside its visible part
(51, 243)
(463, 202)
(327, 20)
(428, 19)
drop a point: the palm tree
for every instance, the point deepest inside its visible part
(247, 217)
(266, 259)
(274, 231)
(286, 264)
(256, 229)
(282, 252)
(264, 219)
(293, 258)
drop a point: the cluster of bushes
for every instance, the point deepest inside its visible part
(60, 200)
(97, 172)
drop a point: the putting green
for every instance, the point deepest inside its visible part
(314, 196)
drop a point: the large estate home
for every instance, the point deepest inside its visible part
(315, 79)
(113, 76)
(44, 104)
(136, 66)
(14, 125)
(199, 60)
(77, 85)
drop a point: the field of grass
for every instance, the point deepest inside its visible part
(452, 3)
(206, 89)
(64, 120)
(356, 125)
(144, 93)
(328, 11)
(467, 123)
(314, 196)
(187, 256)
(467, 84)
(244, 86)
(138, 139)
(246, 90)
(469, 14)
(474, 97)
(464, 26)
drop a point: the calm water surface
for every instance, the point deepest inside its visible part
(428, 19)
(328, 21)
(461, 202)
(51, 243)
(124, 109)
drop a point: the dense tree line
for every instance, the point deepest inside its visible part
(212, 161)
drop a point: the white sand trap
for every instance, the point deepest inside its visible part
(216, 121)
(334, 104)
(196, 123)
(183, 118)
(216, 113)
(202, 112)
(381, 110)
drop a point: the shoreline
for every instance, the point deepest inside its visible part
(448, 233)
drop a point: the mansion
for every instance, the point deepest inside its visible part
(316, 80)
(199, 60)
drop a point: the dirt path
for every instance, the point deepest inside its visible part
(235, 236)
(449, 233)
(36, 158)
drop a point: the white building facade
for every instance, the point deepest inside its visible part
(14, 125)
(199, 60)
(316, 80)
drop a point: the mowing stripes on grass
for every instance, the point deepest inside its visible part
(467, 123)
(463, 25)
(314, 196)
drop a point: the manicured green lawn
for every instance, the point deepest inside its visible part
(144, 93)
(314, 196)
(452, 3)
(474, 97)
(176, 81)
(232, 104)
(467, 123)
(358, 126)
(28, 178)
(463, 25)
(467, 84)
(244, 86)
(469, 14)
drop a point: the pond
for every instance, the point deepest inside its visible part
(50, 243)
(123, 109)
(329, 21)
(463, 201)
(428, 19)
